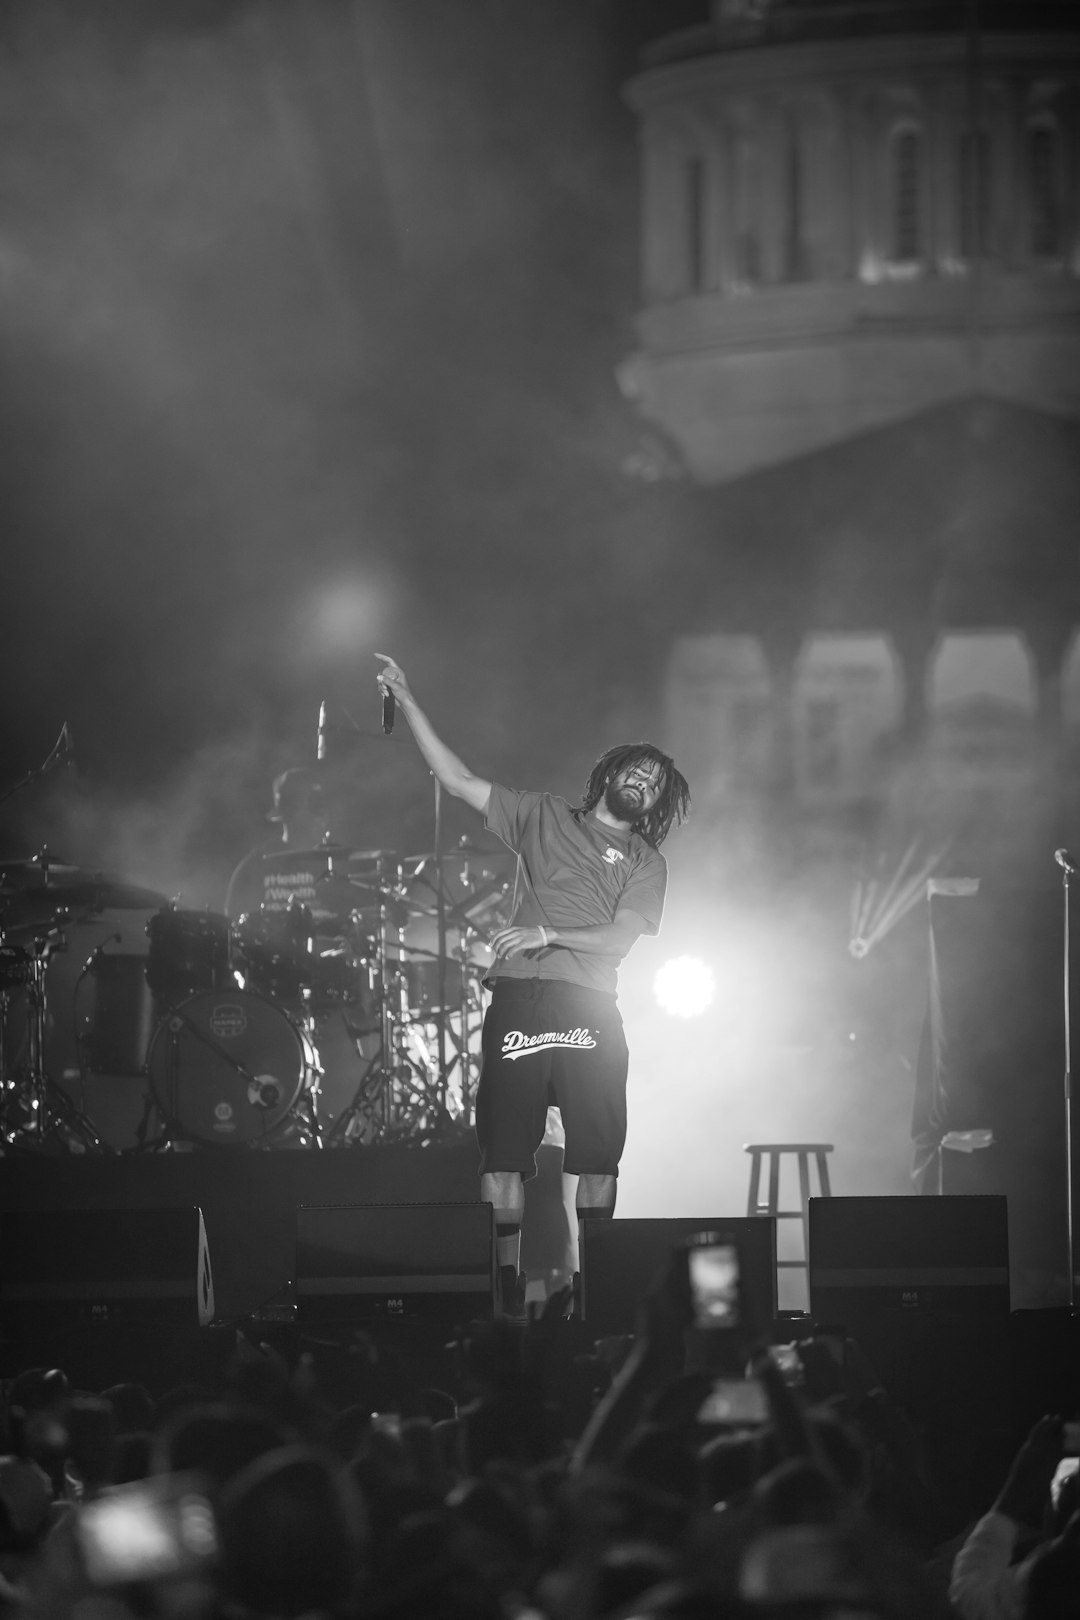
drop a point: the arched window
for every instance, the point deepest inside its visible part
(906, 245)
(974, 199)
(1044, 191)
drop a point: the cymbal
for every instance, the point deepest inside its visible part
(37, 872)
(358, 886)
(86, 892)
(459, 852)
(334, 852)
(278, 852)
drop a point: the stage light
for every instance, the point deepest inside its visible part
(684, 986)
(348, 611)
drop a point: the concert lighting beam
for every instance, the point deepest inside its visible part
(874, 917)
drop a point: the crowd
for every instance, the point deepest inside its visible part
(549, 1478)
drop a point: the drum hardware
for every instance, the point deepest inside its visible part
(62, 752)
(16, 966)
(410, 1006)
(421, 1082)
(32, 1108)
(276, 951)
(397, 1096)
(32, 891)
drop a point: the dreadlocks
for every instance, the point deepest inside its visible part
(671, 808)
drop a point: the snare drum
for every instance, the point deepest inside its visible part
(277, 952)
(189, 951)
(227, 1066)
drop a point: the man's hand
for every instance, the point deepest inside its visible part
(454, 775)
(1026, 1490)
(392, 677)
(517, 941)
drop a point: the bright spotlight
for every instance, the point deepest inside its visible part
(684, 986)
(348, 611)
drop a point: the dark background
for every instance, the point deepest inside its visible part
(309, 316)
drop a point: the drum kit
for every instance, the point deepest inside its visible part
(296, 1026)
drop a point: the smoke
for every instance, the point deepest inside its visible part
(303, 296)
(801, 1044)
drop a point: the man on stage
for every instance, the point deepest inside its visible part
(590, 880)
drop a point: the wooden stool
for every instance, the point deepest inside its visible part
(756, 1205)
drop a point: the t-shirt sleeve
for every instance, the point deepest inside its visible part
(508, 813)
(645, 890)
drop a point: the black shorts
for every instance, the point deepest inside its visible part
(548, 1042)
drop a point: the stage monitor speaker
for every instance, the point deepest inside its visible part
(620, 1258)
(947, 1254)
(377, 1261)
(106, 1264)
(922, 1285)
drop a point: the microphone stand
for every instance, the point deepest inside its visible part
(440, 923)
(1069, 869)
(1067, 1024)
(53, 757)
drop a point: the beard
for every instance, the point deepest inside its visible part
(624, 803)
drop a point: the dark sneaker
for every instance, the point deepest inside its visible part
(512, 1293)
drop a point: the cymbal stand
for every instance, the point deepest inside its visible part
(37, 1090)
(5, 1086)
(381, 1104)
(60, 753)
(440, 923)
(471, 1014)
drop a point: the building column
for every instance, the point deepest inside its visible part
(1048, 644)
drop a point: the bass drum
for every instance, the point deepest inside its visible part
(226, 1067)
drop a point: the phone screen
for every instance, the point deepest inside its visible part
(714, 1285)
(736, 1402)
(1065, 1469)
(146, 1531)
(786, 1358)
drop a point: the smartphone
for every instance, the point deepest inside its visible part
(786, 1359)
(715, 1284)
(1066, 1468)
(155, 1529)
(735, 1402)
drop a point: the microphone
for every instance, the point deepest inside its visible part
(320, 751)
(1067, 862)
(388, 707)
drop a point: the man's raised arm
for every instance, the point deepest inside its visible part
(455, 776)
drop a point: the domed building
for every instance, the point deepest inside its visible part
(858, 360)
(859, 353)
